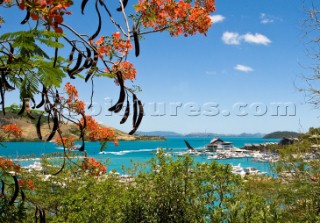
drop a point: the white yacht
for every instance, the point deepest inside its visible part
(35, 166)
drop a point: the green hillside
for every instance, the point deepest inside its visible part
(29, 132)
(281, 134)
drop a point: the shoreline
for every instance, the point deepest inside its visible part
(49, 158)
(156, 138)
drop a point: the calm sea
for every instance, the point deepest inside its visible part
(137, 151)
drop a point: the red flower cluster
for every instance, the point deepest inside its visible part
(71, 91)
(9, 2)
(8, 165)
(12, 129)
(22, 183)
(120, 45)
(98, 133)
(79, 106)
(93, 131)
(127, 70)
(67, 141)
(93, 167)
(51, 11)
(116, 45)
(180, 17)
(73, 102)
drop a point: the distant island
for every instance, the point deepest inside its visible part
(198, 134)
(273, 135)
(160, 133)
(281, 134)
(245, 135)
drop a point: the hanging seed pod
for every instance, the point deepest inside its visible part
(38, 126)
(48, 119)
(26, 19)
(4, 81)
(23, 197)
(34, 103)
(2, 188)
(83, 5)
(16, 190)
(57, 97)
(126, 113)
(2, 94)
(55, 126)
(93, 65)
(42, 216)
(137, 124)
(56, 51)
(118, 106)
(76, 67)
(22, 108)
(136, 40)
(124, 3)
(71, 54)
(135, 110)
(88, 62)
(36, 214)
(43, 94)
(81, 149)
(99, 25)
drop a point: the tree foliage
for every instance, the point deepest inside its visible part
(33, 63)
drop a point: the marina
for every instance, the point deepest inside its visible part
(123, 156)
(218, 149)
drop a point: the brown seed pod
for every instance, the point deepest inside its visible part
(126, 113)
(38, 126)
(118, 106)
(99, 25)
(93, 65)
(83, 5)
(137, 124)
(26, 19)
(55, 126)
(124, 3)
(136, 40)
(16, 190)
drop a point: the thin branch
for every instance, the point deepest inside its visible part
(4, 46)
(154, 31)
(79, 35)
(125, 18)
(112, 20)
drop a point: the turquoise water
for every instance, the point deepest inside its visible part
(140, 151)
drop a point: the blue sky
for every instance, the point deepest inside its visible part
(254, 54)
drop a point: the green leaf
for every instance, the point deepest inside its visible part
(50, 76)
(110, 75)
(51, 43)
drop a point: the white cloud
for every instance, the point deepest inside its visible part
(243, 68)
(217, 18)
(256, 38)
(231, 38)
(265, 19)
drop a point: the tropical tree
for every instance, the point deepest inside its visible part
(311, 25)
(34, 64)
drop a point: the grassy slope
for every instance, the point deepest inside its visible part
(29, 132)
